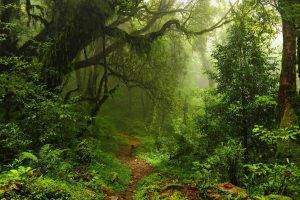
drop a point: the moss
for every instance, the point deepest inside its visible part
(49, 188)
(274, 197)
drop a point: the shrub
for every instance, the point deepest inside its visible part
(12, 141)
(84, 152)
(224, 165)
(26, 159)
(276, 143)
(264, 179)
(49, 158)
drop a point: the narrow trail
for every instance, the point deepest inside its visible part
(139, 168)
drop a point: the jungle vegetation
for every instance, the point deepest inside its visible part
(149, 99)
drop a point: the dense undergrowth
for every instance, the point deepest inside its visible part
(202, 170)
(83, 171)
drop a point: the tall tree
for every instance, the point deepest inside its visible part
(288, 86)
(244, 70)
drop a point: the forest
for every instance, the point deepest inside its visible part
(149, 99)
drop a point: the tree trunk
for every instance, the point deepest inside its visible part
(298, 52)
(287, 86)
(144, 111)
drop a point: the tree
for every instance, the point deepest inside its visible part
(288, 85)
(244, 70)
(67, 29)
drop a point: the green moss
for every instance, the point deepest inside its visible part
(48, 188)
(274, 197)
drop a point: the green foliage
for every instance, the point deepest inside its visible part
(148, 188)
(65, 174)
(13, 175)
(26, 159)
(29, 113)
(87, 163)
(149, 152)
(245, 74)
(295, 99)
(104, 127)
(12, 140)
(251, 73)
(9, 179)
(50, 158)
(224, 165)
(280, 143)
(46, 120)
(274, 197)
(47, 188)
(263, 106)
(84, 152)
(114, 174)
(158, 187)
(263, 179)
(106, 169)
(105, 131)
(276, 136)
(48, 150)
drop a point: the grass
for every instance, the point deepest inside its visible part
(111, 171)
(150, 187)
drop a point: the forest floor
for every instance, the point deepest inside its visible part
(139, 168)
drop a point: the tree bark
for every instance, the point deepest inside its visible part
(287, 86)
(298, 52)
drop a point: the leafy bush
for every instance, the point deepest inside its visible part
(276, 136)
(103, 127)
(26, 159)
(84, 152)
(46, 121)
(49, 158)
(264, 179)
(276, 143)
(224, 165)
(12, 141)
(105, 131)
(263, 106)
(29, 113)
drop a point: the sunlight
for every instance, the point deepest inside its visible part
(184, 1)
(214, 3)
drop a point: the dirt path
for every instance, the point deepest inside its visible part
(139, 168)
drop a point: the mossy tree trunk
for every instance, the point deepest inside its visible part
(287, 88)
